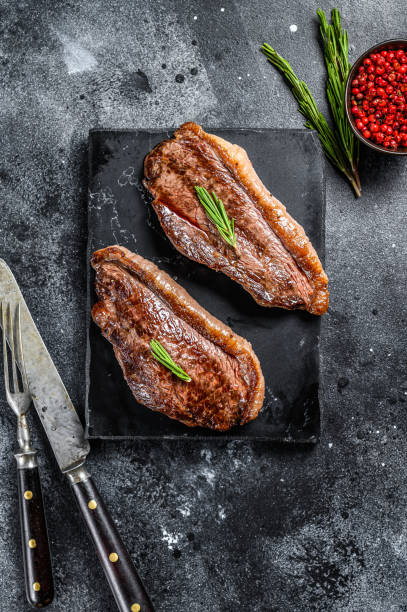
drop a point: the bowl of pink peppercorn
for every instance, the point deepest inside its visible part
(376, 97)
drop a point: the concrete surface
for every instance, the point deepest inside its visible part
(212, 526)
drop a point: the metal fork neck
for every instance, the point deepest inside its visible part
(23, 434)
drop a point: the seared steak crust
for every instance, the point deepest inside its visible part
(139, 302)
(275, 261)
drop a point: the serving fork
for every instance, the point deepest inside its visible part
(36, 554)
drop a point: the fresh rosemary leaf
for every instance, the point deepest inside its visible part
(165, 359)
(339, 145)
(216, 212)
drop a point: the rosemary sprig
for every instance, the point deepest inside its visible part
(339, 145)
(166, 360)
(336, 53)
(216, 212)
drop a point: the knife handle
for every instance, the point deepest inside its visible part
(39, 585)
(120, 572)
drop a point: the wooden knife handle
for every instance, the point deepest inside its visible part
(120, 572)
(39, 584)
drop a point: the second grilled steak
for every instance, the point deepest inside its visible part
(138, 302)
(275, 261)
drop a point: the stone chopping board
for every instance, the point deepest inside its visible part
(290, 163)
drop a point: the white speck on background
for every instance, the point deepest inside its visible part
(77, 58)
(383, 464)
(330, 445)
(206, 454)
(371, 350)
(184, 510)
(221, 513)
(248, 74)
(170, 538)
(209, 475)
(195, 17)
(393, 246)
(240, 78)
(222, 10)
(293, 28)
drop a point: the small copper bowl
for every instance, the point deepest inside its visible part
(398, 43)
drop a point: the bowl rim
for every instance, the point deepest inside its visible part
(355, 65)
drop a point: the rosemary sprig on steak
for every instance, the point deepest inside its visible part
(217, 214)
(340, 145)
(166, 360)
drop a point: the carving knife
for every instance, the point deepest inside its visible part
(67, 438)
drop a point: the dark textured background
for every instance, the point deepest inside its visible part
(212, 526)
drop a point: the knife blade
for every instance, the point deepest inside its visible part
(66, 435)
(50, 398)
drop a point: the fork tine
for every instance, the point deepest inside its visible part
(19, 346)
(13, 351)
(5, 360)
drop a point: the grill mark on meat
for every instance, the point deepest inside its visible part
(275, 261)
(138, 302)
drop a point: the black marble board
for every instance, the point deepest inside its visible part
(290, 164)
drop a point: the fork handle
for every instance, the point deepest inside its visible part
(39, 584)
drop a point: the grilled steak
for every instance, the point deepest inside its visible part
(275, 261)
(139, 302)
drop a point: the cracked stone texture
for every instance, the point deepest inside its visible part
(214, 526)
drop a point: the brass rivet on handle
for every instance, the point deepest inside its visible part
(113, 557)
(135, 608)
(32, 543)
(36, 586)
(92, 504)
(28, 494)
